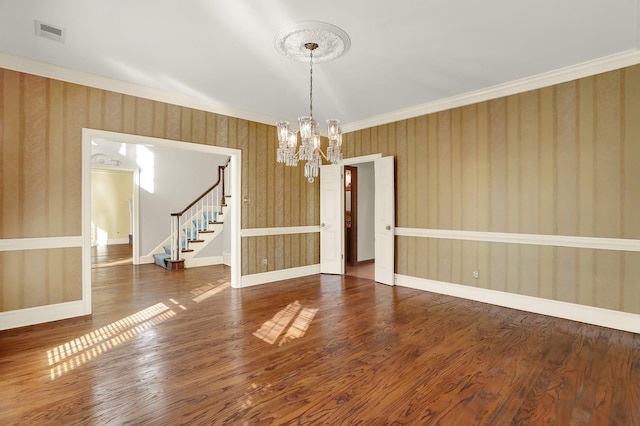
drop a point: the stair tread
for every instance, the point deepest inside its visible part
(188, 231)
(161, 259)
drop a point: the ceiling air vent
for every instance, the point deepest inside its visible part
(50, 31)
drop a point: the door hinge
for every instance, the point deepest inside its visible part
(342, 256)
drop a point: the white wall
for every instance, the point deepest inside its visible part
(366, 208)
(169, 180)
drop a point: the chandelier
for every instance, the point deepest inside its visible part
(290, 42)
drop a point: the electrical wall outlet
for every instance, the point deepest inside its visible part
(264, 261)
(476, 274)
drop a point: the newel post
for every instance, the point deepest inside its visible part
(175, 263)
(221, 170)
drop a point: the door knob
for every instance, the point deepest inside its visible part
(388, 228)
(323, 225)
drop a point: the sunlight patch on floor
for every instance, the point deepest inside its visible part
(210, 290)
(81, 350)
(125, 261)
(257, 391)
(293, 321)
(175, 302)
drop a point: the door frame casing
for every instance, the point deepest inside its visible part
(360, 160)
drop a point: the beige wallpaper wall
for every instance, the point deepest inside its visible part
(563, 160)
(41, 122)
(33, 278)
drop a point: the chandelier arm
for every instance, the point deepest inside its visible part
(322, 153)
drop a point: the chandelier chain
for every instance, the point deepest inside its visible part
(311, 83)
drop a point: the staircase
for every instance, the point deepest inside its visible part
(194, 227)
(196, 235)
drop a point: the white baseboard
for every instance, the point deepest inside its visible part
(192, 263)
(587, 314)
(203, 261)
(283, 274)
(226, 259)
(40, 314)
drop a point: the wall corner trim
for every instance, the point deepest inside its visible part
(587, 314)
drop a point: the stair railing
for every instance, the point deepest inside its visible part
(186, 224)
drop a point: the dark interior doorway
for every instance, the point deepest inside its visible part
(359, 207)
(351, 214)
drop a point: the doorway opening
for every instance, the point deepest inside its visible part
(112, 214)
(332, 226)
(351, 216)
(359, 220)
(146, 181)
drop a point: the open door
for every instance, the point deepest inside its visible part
(331, 220)
(384, 220)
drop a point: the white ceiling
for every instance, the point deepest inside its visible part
(403, 54)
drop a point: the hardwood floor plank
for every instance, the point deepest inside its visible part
(183, 347)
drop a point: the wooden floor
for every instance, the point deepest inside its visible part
(183, 347)
(363, 270)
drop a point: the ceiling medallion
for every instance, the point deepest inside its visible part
(309, 41)
(332, 41)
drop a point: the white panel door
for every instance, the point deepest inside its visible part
(385, 213)
(331, 220)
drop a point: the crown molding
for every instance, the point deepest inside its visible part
(29, 66)
(562, 75)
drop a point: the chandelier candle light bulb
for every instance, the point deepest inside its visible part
(293, 42)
